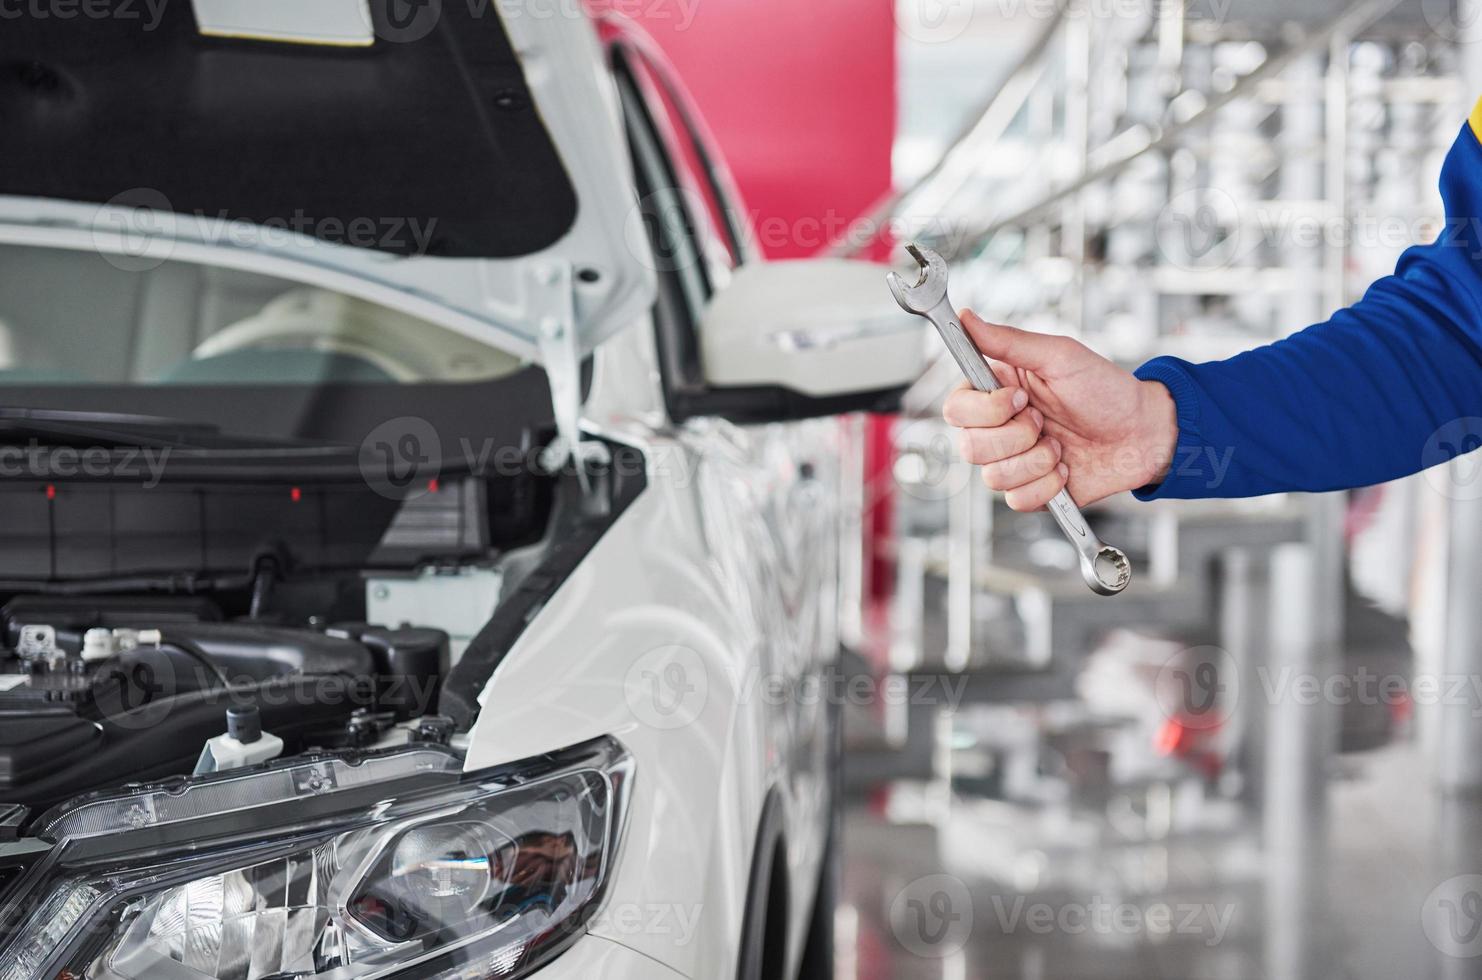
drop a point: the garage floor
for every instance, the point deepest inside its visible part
(958, 889)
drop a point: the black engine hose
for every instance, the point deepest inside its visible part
(193, 650)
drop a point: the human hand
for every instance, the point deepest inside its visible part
(1066, 416)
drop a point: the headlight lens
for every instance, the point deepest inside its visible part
(442, 875)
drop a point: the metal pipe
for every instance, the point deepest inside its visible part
(1458, 751)
(1297, 742)
(987, 124)
(1348, 24)
(1458, 758)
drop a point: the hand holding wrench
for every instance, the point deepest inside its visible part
(1105, 569)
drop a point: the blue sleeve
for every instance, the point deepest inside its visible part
(1360, 399)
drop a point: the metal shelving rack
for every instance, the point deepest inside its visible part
(1175, 161)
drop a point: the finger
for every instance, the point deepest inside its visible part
(982, 446)
(1007, 375)
(1034, 496)
(1021, 348)
(969, 408)
(1025, 468)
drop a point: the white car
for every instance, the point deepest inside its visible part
(424, 515)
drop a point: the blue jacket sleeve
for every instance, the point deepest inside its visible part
(1371, 395)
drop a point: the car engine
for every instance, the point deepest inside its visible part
(227, 625)
(97, 692)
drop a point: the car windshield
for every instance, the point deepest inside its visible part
(257, 359)
(76, 318)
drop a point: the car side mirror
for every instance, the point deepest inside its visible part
(825, 331)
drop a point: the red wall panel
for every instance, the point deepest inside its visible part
(801, 97)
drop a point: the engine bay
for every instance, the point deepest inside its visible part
(336, 627)
(106, 691)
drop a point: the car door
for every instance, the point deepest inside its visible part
(769, 492)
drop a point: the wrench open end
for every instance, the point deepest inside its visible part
(922, 260)
(1109, 573)
(930, 288)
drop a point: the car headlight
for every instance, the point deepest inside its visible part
(397, 864)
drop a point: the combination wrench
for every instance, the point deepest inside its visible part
(1105, 569)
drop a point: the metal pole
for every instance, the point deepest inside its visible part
(985, 126)
(1295, 786)
(1244, 621)
(1458, 759)
(1349, 23)
(1458, 723)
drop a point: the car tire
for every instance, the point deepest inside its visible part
(818, 950)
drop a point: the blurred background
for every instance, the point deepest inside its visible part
(1263, 760)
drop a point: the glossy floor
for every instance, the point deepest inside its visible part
(952, 888)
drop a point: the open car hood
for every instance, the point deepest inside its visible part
(461, 161)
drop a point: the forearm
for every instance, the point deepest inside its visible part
(1347, 403)
(1371, 395)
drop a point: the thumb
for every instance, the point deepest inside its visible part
(1015, 347)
